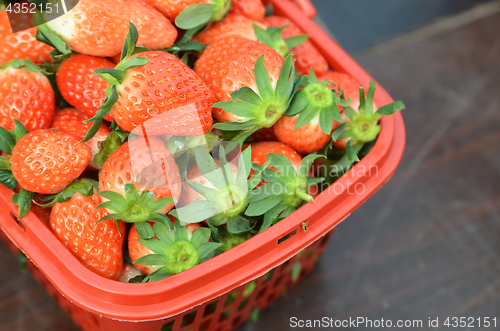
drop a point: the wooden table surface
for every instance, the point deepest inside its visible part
(425, 245)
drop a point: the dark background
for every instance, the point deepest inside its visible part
(358, 24)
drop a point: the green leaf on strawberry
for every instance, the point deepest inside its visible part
(199, 15)
(176, 252)
(362, 126)
(261, 108)
(85, 187)
(316, 99)
(135, 208)
(272, 38)
(285, 190)
(224, 192)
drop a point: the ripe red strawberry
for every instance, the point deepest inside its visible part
(286, 183)
(140, 166)
(253, 9)
(232, 24)
(306, 55)
(137, 250)
(350, 87)
(21, 45)
(260, 151)
(99, 249)
(99, 28)
(79, 87)
(172, 8)
(47, 161)
(235, 63)
(306, 139)
(341, 81)
(71, 121)
(157, 92)
(26, 95)
(313, 115)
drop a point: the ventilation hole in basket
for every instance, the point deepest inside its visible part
(230, 298)
(168, 326)
(261, 294)
(224, 315)
(14, 217)
(205, 325)
(210, 309)
(243, 305)
(286, 237)
(310, 254)
(267, 276)
(278, 281)
(237, 321)
(188, 319)
(285, 288)
(283, 266)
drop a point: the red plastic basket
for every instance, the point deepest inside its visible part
(216, 295)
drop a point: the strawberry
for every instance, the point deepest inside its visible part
(189, 14)
(232, 24)
(306, 139)
(173, 251)
(340, 81)
(311, 118)
(42, 161)
(129, 273)
(81, 89)
(218, 190)
(253, 9)
(137, 250)
(140, 179)
(251, 82)
(26, 95)
(99, 28)
(157, 92)
(22, 44)
(72, 121)
(98, 247)
(47, 161)
(287, 184)
(306, 55)
(260, 150)
(349, 86)
(362, 124)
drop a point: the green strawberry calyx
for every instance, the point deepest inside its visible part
(316, 99)
(134, 207)
(225, 195)
(272, 37)
(175, 251)
(228, 239)
(202, 14)
(285, 190)
(85, 187)
(114, 140)
(8, 140)
(115, 77)
(264, 107)
(22, 63)
(362, 126)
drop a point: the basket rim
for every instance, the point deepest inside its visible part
(244, 263)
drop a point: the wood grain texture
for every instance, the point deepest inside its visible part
(425, 245)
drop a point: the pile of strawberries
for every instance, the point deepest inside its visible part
(185, 127)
